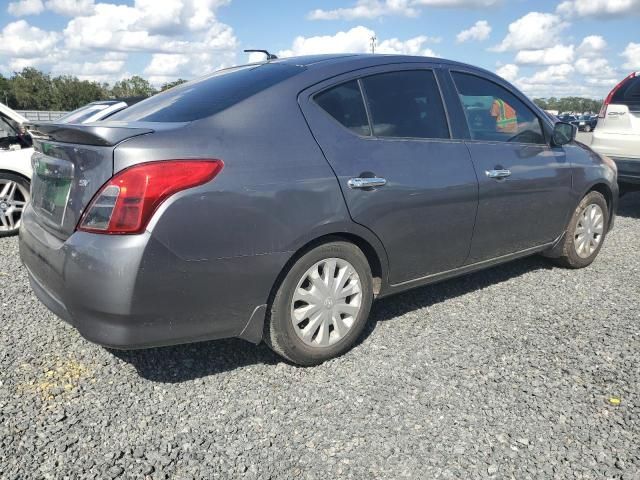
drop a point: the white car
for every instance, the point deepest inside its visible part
(15, 169)
(617, 134)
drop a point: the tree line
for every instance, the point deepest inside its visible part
(32, 89)
(569, 104)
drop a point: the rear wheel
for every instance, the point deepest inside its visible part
(322, 304)
(14, 195)
(586, 232)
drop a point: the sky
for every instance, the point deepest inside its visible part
(545, 47)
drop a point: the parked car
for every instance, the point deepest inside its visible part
(15, 169)
(97, 111)
(618, 132)
(586, 123)
(572, 119)
(193, 215)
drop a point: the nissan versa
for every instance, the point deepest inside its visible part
(275, 201)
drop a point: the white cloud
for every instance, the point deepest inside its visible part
(479, 31)
(25, 7)
(592, 46)
(595, 67)
(19, 39)
(356, 40)
(184, 38)
(632, 54)
(535, 29)
(547, 56)
(365, 9)
(408, 8)
(592, 8)
(509, 72)
(109, 68)
(167, 64)
(140, 28)
(70, 8)
(553, 74)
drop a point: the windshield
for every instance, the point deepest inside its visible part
(82, 113)
(208, 95)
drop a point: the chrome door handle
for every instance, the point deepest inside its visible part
(498, 173)
(367, 182)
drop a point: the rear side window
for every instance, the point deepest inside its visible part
(406, 104)
(495, 114)
(209, 95)
(628, 94)
(345, 104)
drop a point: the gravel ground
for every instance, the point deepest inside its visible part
(521, 371)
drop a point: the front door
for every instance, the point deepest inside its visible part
(525, 194)
(385, 134)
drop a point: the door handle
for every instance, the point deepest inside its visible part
(367, 182)
(498, 173)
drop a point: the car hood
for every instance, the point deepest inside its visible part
(13, 115)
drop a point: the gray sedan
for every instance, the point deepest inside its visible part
(276, 201)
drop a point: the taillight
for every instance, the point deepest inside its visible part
(607, 101)
(125, 204)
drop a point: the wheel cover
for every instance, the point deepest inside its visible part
(589, 230)
(326, 302)
(13, 198)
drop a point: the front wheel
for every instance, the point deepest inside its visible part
(14, 195)
(322, 304)
(586, 232)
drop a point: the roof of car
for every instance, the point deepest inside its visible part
(311, 60)
(338, 61)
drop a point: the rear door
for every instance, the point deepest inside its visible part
(388, 125)
(525, 186)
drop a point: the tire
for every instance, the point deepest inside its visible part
(290, 318)
(577, 249)
(587, 128)
(14, 195)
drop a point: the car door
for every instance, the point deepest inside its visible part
(525, 186)
(385, 133)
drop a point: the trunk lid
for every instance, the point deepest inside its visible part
(70, 164)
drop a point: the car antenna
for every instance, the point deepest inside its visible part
(270, 56)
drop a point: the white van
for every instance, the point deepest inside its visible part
(15, 169)
(617, 134)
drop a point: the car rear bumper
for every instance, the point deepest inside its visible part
(628, 169)
(131, 291)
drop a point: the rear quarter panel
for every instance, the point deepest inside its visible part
(221, 246)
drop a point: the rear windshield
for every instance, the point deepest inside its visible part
(208, 95)
(628, 93)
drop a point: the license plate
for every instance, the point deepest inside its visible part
(51, 186)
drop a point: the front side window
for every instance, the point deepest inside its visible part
(344, 103)
(406, 104)
(495, 114)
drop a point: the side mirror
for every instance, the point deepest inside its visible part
(563, 133)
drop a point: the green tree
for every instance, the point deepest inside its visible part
(70, 93)
(132, 87)
(569, 104)
(6, 92)
(32, 90)
(175, 83)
